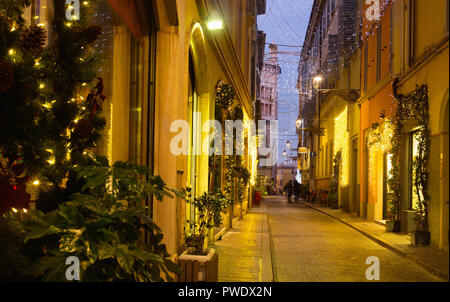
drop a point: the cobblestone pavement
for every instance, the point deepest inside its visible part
(305, 246)
(431, 258)
(310, 246)
(244, 251)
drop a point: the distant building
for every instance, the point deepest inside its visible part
(268, 103)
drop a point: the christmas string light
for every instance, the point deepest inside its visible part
(341, 144)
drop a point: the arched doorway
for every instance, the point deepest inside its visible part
(198, 111)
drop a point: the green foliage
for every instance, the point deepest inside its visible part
(260, 184)
(209, 208)
(103, 226)
(224, 99)
(413, 107)
(236, 175)
(334, 184)
(225, 96)
(14, 264)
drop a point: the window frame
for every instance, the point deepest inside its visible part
(379, 37)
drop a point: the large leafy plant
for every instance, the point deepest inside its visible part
(106, 227)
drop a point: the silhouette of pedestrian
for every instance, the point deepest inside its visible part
(288, 188)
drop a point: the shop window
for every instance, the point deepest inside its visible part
(379, 46)
(387, 190)
(366, 65)
(122, 72)
(413, 154)
(135, 100)
(35, 11)
(194, 142)
(38, 13)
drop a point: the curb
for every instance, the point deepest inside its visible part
(272, 252)
(225, 229)
(399, 252)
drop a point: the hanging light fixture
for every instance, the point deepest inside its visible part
(299, 122)
(288, 144)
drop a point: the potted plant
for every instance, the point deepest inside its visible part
(421, 236)
(393, 223)
(333, 195)
(198, 262)
(103, 227)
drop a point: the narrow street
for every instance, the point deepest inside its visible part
(159, 140)
(306, 246)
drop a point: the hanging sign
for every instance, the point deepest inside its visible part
(303, 150)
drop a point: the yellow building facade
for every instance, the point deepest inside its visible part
(191, 61)
(398, 48)
(330, 53)
(161, 63)
(422, 28)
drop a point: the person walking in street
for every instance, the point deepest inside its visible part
(297, 189)
(288, 188)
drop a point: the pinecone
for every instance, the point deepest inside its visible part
(91, 33)
(33, 39)
(83, 130)
(6, 76)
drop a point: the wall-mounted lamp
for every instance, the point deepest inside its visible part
(215, 24)
(317, 80)
(299, 122)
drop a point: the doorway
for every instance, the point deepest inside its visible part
(354, 206)
(387, 192)
(366, 174)
(194, 141)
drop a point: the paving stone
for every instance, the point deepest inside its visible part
(307, 246)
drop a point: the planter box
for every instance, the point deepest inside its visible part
(393, 226)
(408, 221)
(334, 204)
(420, 238)
(199, 268)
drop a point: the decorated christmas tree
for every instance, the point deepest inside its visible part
(50, 102)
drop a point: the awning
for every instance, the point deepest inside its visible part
(126, 9)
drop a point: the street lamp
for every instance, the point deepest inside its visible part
(317, 81)
(215, 24)
(299, 122)
(284, 153)
(288, 144)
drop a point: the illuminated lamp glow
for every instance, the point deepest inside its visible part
(215, 25)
